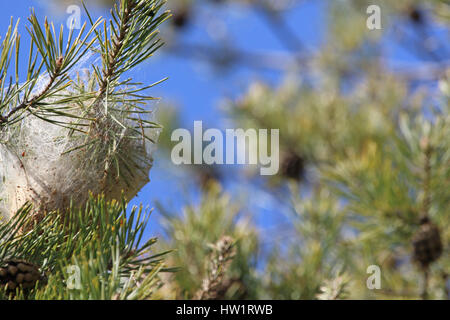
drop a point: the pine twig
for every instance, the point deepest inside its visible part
(31, 102)
(334, 289)
(223, 255)
(112, 60)
(427, 149)
(426, 207)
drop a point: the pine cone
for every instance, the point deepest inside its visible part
(416, 16)
(293, 166)
(19, 273)
(427, 243)
(206, 175)
(181, 18)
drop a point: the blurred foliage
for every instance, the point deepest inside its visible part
(193, 233)
(324, 126)
(358, 126)
(314, 253)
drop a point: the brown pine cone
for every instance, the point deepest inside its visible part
(416, 15)
(181, 17)
(293, 166)
(427, 243)
(19, 274)
(207, 174)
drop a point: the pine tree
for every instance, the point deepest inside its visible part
(67, 132)
(364, 178)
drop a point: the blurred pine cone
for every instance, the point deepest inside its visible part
(427, 243)
(181, 17)
(207, 174)
(293, 166)
(416, 15)
(19, 273)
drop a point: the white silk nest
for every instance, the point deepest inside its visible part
(52, 166)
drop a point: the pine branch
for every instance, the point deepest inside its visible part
(132, 38)
(30, 103)
(334, 289)
(102, 241)
(110, 67)
(222, 256)
(58, 61)
(107, 117)
(427, 152)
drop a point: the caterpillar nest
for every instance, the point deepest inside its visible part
(50, 165)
